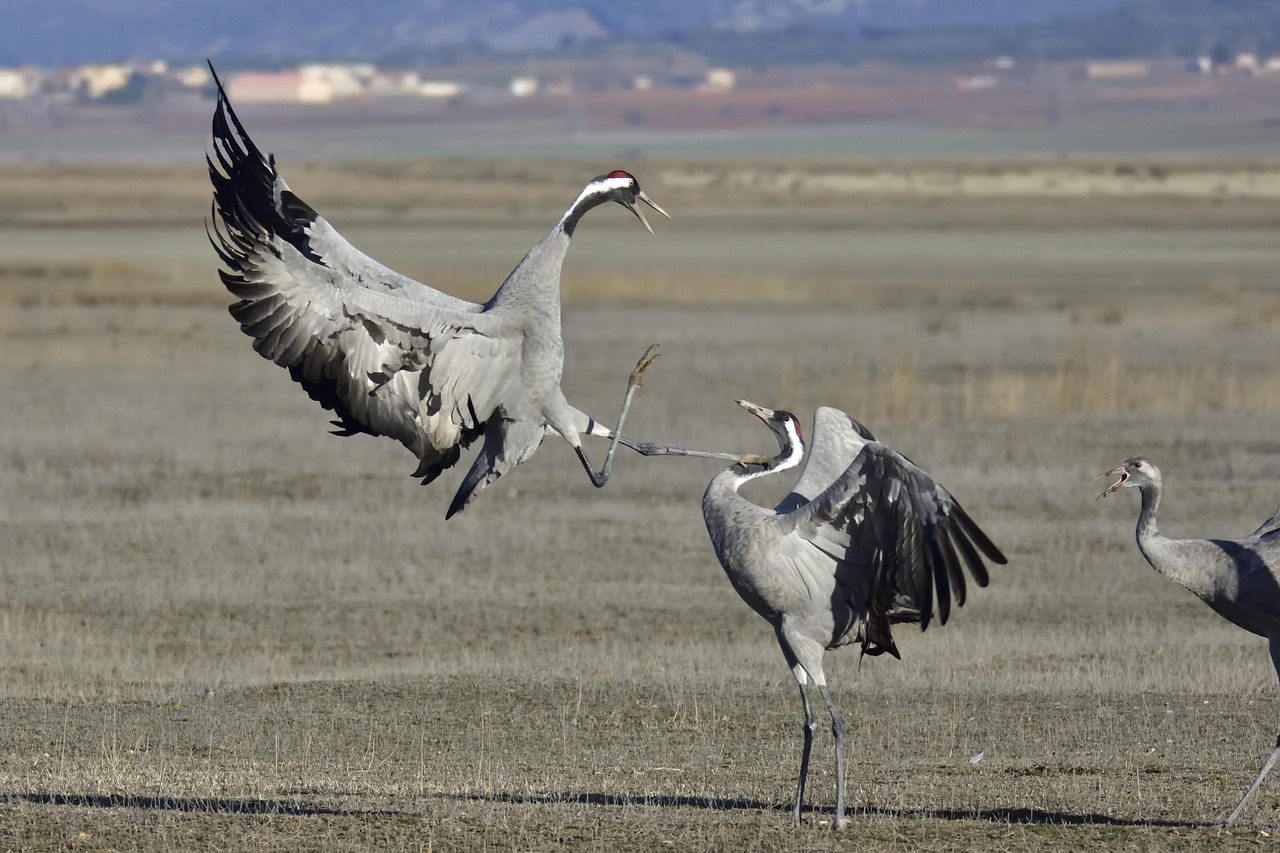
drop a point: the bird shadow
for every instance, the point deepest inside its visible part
(1024, 816)
(216, 805)
(588, 798)
(993, 815)
(209, 805)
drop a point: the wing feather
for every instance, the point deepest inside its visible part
(964, 546)
(1266, 527)
(975, 534)
(898, 541)
(387, 354)
(833, 445)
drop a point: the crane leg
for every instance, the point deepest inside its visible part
(1253, 789)
(837, 730)
(810, 726)
(636, 380)
(1270, 762)
(644, 448)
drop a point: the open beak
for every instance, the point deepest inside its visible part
(640, 196)
(1114, 472)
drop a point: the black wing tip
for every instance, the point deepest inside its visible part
(976, 535)
(459, 504)
(216, 79)
(860, 428)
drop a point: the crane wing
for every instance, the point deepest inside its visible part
(1266, 527)
(386, 354)
(894, 537)
(833, 445)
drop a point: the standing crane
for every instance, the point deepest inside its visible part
(863, 541)
(389, 355)
(1238, 578)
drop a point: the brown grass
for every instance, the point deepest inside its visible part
(225, 628)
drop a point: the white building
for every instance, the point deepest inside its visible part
(276, 87)
(96, 80)
(13, 83)
(439, 88)
(718, 80)
(344, 80)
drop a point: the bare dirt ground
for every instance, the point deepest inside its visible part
(226, 629)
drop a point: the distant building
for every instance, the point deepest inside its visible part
(255, 87)
(94, 81)
(193, 77)
(1246, 62)
(523, 87)
(13, 83)
(1117, 70)
(345, 80)
(383, 83)
(718, 80)
(977, 81)
(439, 88)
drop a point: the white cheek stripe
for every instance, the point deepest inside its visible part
(797, 448)
(606, 185)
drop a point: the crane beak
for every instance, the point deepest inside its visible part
(640, 196)
(1118, 471)
(759, 411)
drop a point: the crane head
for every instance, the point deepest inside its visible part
(786, 428)
(1137, 471)
(623, 188)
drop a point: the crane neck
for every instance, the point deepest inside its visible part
(590, 197)
(535, 281)
(1159, 550)
(1190, 563)
(1146, 530)
(539, 271)
(790, 452)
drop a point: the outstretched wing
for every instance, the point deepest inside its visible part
(833, 446)
(893, 537)
(1268, 526)
(386, 354)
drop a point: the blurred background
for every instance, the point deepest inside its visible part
(580, 78)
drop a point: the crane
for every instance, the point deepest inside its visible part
(863, 541)
(388, 355)
(1238, 578)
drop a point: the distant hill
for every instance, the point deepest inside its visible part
(56, 32)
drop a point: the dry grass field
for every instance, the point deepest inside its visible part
(223, 628)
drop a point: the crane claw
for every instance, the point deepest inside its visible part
(649, 357)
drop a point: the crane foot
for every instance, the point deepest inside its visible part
(649, 357)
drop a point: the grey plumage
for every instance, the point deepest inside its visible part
(389, 355)
(1238, 578)
(865, 540)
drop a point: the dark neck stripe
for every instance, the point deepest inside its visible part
(579, 209)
